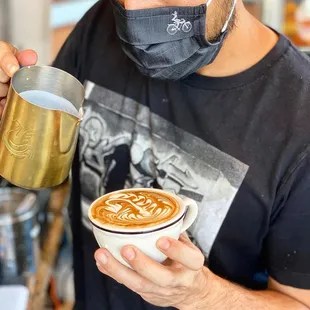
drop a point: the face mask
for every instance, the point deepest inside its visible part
(169, 42)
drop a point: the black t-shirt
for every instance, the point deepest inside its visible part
(238, 145)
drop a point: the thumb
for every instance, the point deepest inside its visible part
(27, 58)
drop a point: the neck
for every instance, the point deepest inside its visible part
(245, 46)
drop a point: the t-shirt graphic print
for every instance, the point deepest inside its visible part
(124, 144)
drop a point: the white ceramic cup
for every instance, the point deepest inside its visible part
(114, 239)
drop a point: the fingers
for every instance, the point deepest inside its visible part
(2, 103)
(8, 61)
(9, 64)
(121, 273)
(11, 59)
(148, 268)
(185, 239)
(3, 90)
(186, 254)
(4, 78)
(3, 93)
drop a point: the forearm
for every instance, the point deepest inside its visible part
(222, 294)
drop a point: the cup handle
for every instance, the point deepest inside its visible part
(191, 213)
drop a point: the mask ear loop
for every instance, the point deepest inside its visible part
(230, 14)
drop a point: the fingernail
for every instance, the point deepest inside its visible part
(12, 69)
(101, 259)
(129, 253)
(164, 244)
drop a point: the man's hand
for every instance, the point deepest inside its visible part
(184, 283)
(10, 61)
(181, 282)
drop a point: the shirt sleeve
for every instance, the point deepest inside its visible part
(288, 240)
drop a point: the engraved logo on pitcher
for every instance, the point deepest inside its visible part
(18, 141)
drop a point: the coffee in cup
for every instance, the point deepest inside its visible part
(135, 209)
(140, 217)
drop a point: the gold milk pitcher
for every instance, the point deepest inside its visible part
(38, 142)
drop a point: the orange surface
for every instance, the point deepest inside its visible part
(59, 36)
(291, 26)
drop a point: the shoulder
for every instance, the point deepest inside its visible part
(290, 84)
(293, 72)
(284, 104)
(296, 86)
(296, 62)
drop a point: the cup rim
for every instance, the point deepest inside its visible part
(55, 69)
(139, 231)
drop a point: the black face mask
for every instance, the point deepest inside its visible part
(169, 42)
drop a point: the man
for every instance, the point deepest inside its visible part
(223, 121)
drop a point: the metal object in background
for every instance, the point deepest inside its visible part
(28, 24)
(38, 143)
(19, 232)
(4, 20)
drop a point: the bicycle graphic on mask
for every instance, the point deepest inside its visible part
(178, 25)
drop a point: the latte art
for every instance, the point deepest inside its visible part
(135, 209)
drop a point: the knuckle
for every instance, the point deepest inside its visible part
(198, 263)
(201, 260)
(3, 45)
(4, 51)
(6, 47)
(7, 53)
(170, 280)
(3, 78)
(3, 90)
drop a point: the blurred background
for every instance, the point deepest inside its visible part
(35, 241)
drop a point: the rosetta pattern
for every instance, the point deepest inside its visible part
(135, 209)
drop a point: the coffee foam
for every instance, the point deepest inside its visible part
(134, 209)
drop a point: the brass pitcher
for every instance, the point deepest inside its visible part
(38, 143)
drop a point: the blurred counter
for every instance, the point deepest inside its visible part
(38, 284)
